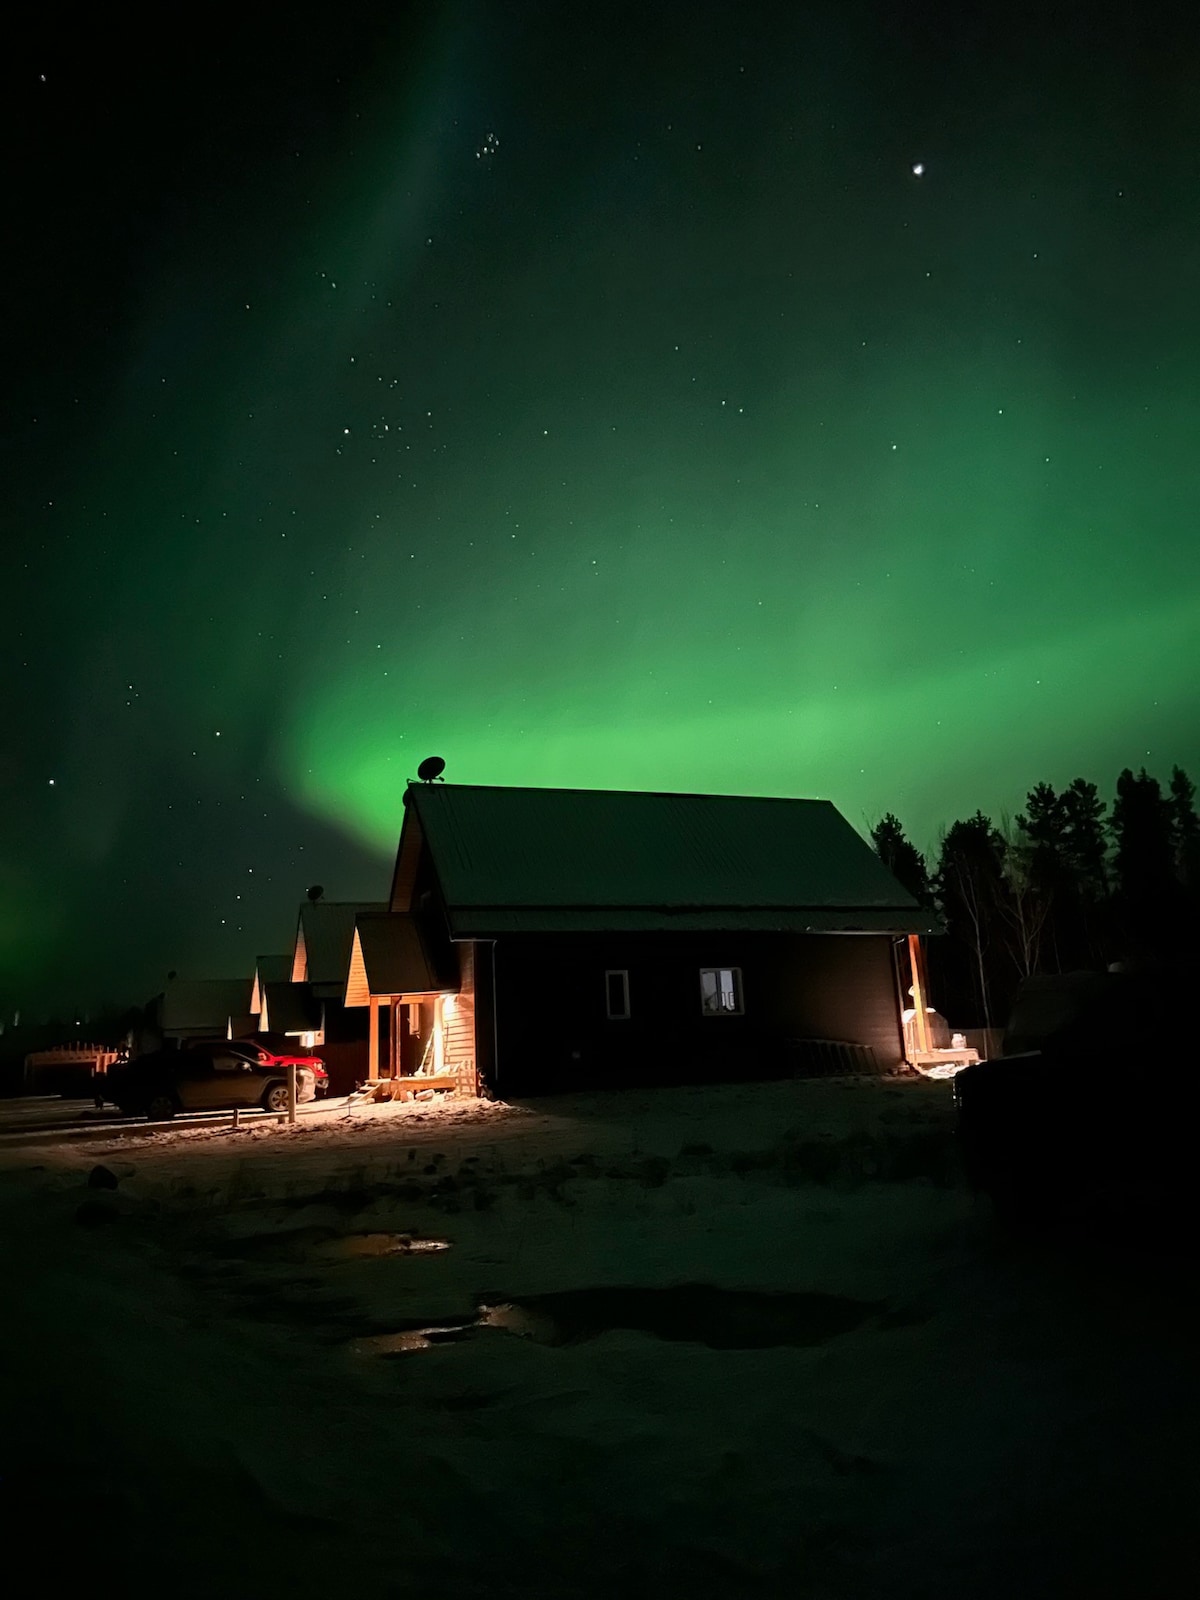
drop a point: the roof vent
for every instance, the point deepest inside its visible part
(432, 767)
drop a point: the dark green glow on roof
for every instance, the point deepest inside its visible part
(521, 847)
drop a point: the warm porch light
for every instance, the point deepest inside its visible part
(439, 1032)
(935, 1054)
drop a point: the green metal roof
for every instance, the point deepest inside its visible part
(210, 1004)
(292, 1008)
(483, 922)
(585, 849)
(396, 959)
(273, 969)
(328, 927)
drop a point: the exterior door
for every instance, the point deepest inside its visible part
(414, 1019)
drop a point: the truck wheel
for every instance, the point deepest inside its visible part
(276, 1098)
(161, 1108)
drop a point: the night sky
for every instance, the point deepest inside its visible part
(792, 399)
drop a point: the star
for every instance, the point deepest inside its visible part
(918, 168)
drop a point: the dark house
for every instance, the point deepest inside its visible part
(267, 969)
(320, 955)
(204, 1008)
(548, 939)
(310, 1007)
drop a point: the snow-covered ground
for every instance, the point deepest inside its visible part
(217, 1382)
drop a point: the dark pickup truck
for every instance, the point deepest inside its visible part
(1094, 1103)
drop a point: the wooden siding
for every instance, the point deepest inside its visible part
(836, 987)
(343, 1024)
(483, 987)
(553, 1031)
(460, 1022)
(409, 1050)
(358, 990)
(346, 1064)
(407, 860)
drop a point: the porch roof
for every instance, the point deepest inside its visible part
(388, 956)
(268, 969)
(325, 933)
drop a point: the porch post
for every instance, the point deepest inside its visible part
(920, 1020)
(439, 1036)
(373, 1035)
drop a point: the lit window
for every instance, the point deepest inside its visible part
(616, 994)
(721, 991)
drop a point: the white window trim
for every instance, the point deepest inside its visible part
(739, 993)
(623, 974)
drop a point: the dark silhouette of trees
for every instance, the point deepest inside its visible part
(1057, 873)
(1085, 840)
(1032, 890)
(972, 892)
(1146, 888)
(1037, 875)
(1185, 828)
(1068, 886)
(902, 858)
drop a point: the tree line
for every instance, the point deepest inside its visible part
(1067, 884)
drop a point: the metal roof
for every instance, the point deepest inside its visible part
(189, 1005)
(483, 922)
(328, 930)
(290, 1008)
(595, 848)
(389, 957)
(268, 969)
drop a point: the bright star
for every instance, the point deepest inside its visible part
(918, 168)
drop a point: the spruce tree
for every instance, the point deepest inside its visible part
(1185, 828)
(902, 858)
(1144, 861)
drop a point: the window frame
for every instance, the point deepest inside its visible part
(623, 974)
(739, 993)
(224, 1062)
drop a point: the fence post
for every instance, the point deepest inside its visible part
(291, 1114)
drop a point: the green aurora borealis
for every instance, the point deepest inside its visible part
(611, 409)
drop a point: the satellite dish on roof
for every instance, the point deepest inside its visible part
(315, 893)
(432, 767)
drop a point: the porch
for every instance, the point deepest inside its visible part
(929, 1045)
(407, 1051)
(421, 1030)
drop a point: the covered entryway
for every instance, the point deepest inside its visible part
(422, 1024)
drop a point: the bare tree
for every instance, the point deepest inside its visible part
(1027, 906)
(971, 889)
